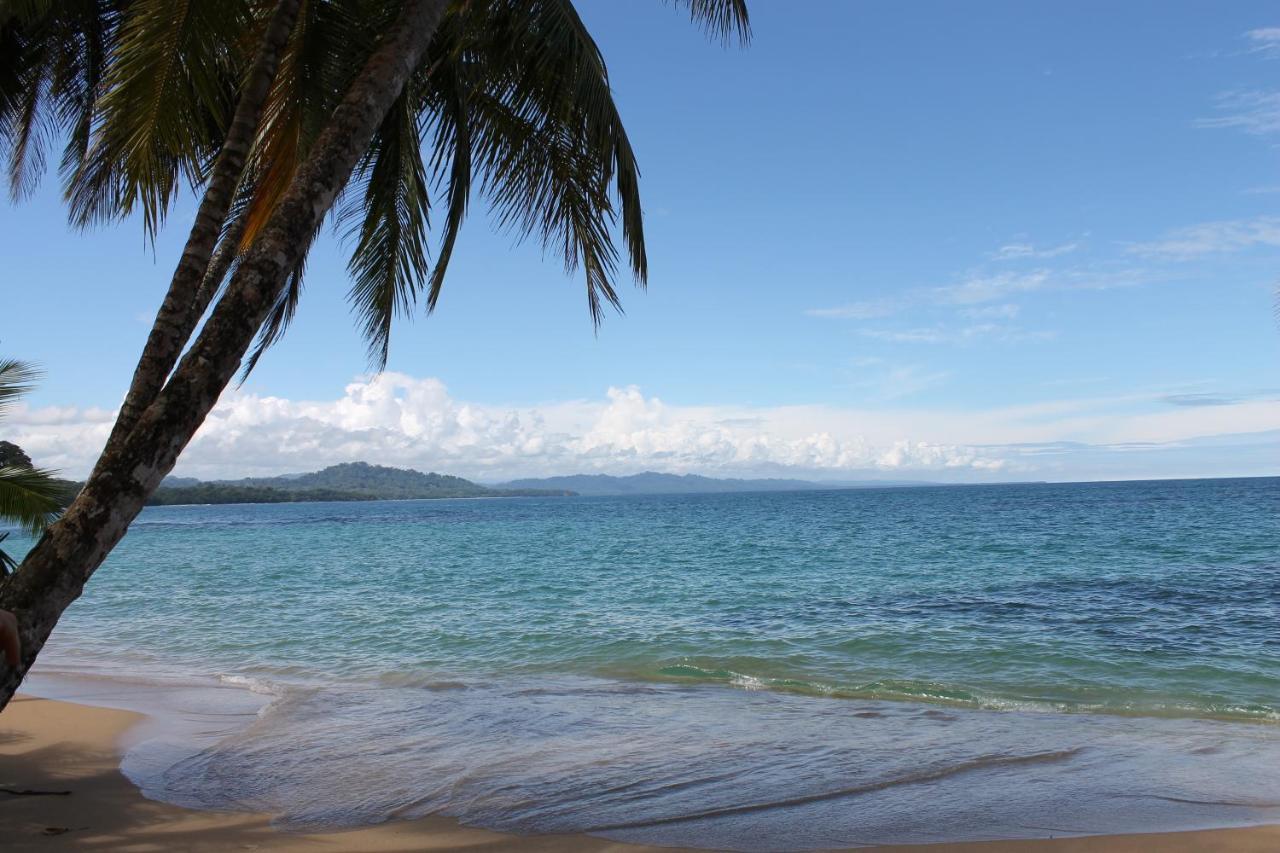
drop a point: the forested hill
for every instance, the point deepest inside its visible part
(654, 483)
(351, 481)
(377, 480)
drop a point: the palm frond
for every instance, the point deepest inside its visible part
(225, 257)
(30, 496)
(604, 127)
(52, 58)
(88, 38)
(513, 100)
(388, 223)
(281, 313)
(16, 379)
(168, 96)
(544, 183)
(725, 20)
(24, 89)
(324, 51)
(277, 322)
(451, 162)
(520, 99)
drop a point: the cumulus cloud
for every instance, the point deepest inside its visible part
(400, 420)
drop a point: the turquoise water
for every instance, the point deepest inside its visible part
(760, 671)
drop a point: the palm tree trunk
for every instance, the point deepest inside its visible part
(175, 321)
(221, 261)
(55, 572)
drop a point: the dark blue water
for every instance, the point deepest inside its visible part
(757, 671)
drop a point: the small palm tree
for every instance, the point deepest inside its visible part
(29, 496)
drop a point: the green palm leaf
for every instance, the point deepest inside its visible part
(722, 19)
(515, 98)
(452, 164)
(16, 379)
(388, 222)
(324, 51)
(168, 96)
(550, 145)
(52, 60)
(30, 496)
(277, 322)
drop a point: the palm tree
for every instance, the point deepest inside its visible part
(279, 112)
(29, 496)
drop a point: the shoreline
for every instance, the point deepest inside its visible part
(57, 745)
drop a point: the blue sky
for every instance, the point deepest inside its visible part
(930, 240)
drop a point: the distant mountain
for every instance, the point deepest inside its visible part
(360, 481)
(379, 480)
(222, 493)
(351, 481)
(653, 483)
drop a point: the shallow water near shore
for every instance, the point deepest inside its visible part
(758, 672)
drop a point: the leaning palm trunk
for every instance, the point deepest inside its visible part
(54, 573)
(177, 319)
(219, 264)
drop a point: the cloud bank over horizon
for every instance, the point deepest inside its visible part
(405, 421)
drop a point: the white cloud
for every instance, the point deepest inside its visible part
(972, 290)
(960, 313)
(888, 381)
(866, 310)
(400, 420)
(966, 334)
(1253, 111)
(1007, 311)
(905, 380)
(1023, 251)
(988, 288)
(1265, 40)
(967, 296)
(1213, 237)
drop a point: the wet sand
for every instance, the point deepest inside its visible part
(50, 746)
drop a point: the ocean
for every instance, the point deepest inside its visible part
(768, 671)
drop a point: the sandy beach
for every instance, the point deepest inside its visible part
(50, 747)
